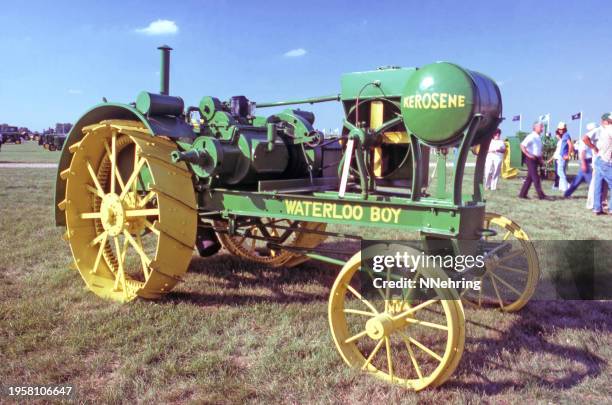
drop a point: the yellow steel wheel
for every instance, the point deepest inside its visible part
(512, 268)
(252, 244)
(130, 212)
(414, 343)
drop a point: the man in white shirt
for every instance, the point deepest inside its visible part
(603, 163)
(591, 139)
(495, 155)
(532, 149)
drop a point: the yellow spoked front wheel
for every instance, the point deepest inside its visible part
(512, 268)
(130, 212)
(252, 242)
(412, 342)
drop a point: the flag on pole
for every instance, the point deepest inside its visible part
(516, 118)
(576, 116)
(545, 117)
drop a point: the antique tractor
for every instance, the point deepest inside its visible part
(10, 134)
(53, 139)
(141, 185)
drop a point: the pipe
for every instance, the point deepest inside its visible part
(311, 100)
(165, 70)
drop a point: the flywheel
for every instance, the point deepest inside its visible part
(130, 211)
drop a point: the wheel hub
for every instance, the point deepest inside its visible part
(112, 214)
(380, 326)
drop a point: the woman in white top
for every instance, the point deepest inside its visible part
(493, 164)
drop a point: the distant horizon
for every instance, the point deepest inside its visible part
(70, 55)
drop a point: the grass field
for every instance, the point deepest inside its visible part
(236, 332)
(27, 152)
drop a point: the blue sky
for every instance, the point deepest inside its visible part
(59, 58)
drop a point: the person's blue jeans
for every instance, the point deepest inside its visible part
(581, 177)
(562, 173)
(603, 172)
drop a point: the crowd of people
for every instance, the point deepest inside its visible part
(594, 151)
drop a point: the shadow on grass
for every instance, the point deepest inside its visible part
(241, 282)
(232, 281)
(532, 332)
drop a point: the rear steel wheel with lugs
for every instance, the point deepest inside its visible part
(414, 342)
(130, 212)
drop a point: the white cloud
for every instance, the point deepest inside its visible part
(159, 27)
(295, 53)
(75, 91)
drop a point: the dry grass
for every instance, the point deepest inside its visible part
(236, 332)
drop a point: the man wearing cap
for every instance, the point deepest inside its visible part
(532, 149)
(603, 162)
(586, 161)
(563, 153)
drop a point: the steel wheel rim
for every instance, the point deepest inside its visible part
(117, 222)
(413, 372)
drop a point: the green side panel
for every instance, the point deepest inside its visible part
(392, 82)
(438, 102)
(431, 216)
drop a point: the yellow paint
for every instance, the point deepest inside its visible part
(434, 101)
(105, 211)
(376, 120)
(353, 212)
(508, 172)
(380, 325)
(395, 137)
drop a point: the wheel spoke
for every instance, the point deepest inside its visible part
(360, 297)
(149, 212)
(113, 158)
(138, 248)
(378, 290)
(511, 255)
(414, 309)
(119, 179)
(132, 178)
(91, 215)
(413, 359)
(119, 277)
(508, 268)
(93, 176)
(359, 312)
(424, 348)
(99, 239)
(355, 337)
(94, 191)
(507, 235)
(428, 324)
(371, 356)
(151, 227)
(507, 284)
(501, 302)
(144, 260)
(100, 251)
(145, 200)
(389, 361)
